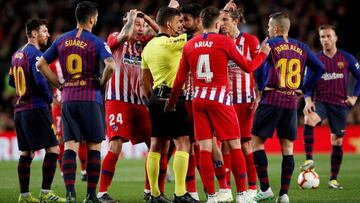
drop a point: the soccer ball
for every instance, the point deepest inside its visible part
(308, 180)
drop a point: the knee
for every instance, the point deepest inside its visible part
(116, 146)
(183, 143)
(336, 140)
(309, 121)
(246, 147)
(54, 149)
(27, 153)
(234, 144)
(257, 143)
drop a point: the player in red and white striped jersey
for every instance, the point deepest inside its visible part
(242, 89)
(127, 117)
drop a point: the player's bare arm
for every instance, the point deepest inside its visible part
(127, 30)
(44, 68)
(230, 6)
(108, 71)
(151, 23)
(145, 83)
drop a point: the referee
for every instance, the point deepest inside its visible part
(160, 62)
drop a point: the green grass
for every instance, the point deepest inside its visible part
(127, 185)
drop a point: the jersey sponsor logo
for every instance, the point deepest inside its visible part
(132, 60)
(340, 64)
(332, 76)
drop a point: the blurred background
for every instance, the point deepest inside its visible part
(306, 16)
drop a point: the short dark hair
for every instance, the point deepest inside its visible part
(192, 9)
(282, 19)
(327, 26)
(84, 10)
(208, 16)
(34, 24)
(166, 14)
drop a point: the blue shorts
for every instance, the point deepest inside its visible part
(268, 118)
(336, 115)
(83, 121)
(35, 130)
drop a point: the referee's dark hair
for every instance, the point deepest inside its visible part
(34, 24)
(166, 14)
(84, 10)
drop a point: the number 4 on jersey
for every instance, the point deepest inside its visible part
(203, 68)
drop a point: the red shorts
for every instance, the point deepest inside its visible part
(245, 116)
(127, 121)
(56, 115)
(212, 116)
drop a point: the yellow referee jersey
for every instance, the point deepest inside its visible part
(162, 56)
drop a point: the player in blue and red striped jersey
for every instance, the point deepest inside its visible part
(207, 56)
(331, 100)
(79, 53)
(33, 123)
(281, 75)
(56, 115)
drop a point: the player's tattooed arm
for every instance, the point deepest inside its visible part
(128, 28)
(108, 70)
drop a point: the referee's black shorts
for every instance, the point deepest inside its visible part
(170, 124)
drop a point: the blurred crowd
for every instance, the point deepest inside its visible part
(306, 16)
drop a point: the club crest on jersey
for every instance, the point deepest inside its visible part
(340, 65)
(115, 128)
(138, 46)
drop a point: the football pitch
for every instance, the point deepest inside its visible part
(127, 185)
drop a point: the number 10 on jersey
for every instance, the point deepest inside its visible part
(203, 68)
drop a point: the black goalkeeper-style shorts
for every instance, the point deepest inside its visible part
(268, 118)
(35, 129)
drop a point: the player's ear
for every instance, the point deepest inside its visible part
(34, 33)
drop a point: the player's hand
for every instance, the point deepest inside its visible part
(169, 107)
(230, 6)
(174, 4)
(350, 101)
(309, 106)
(131, 15)
(265, 47)
(255, 104)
